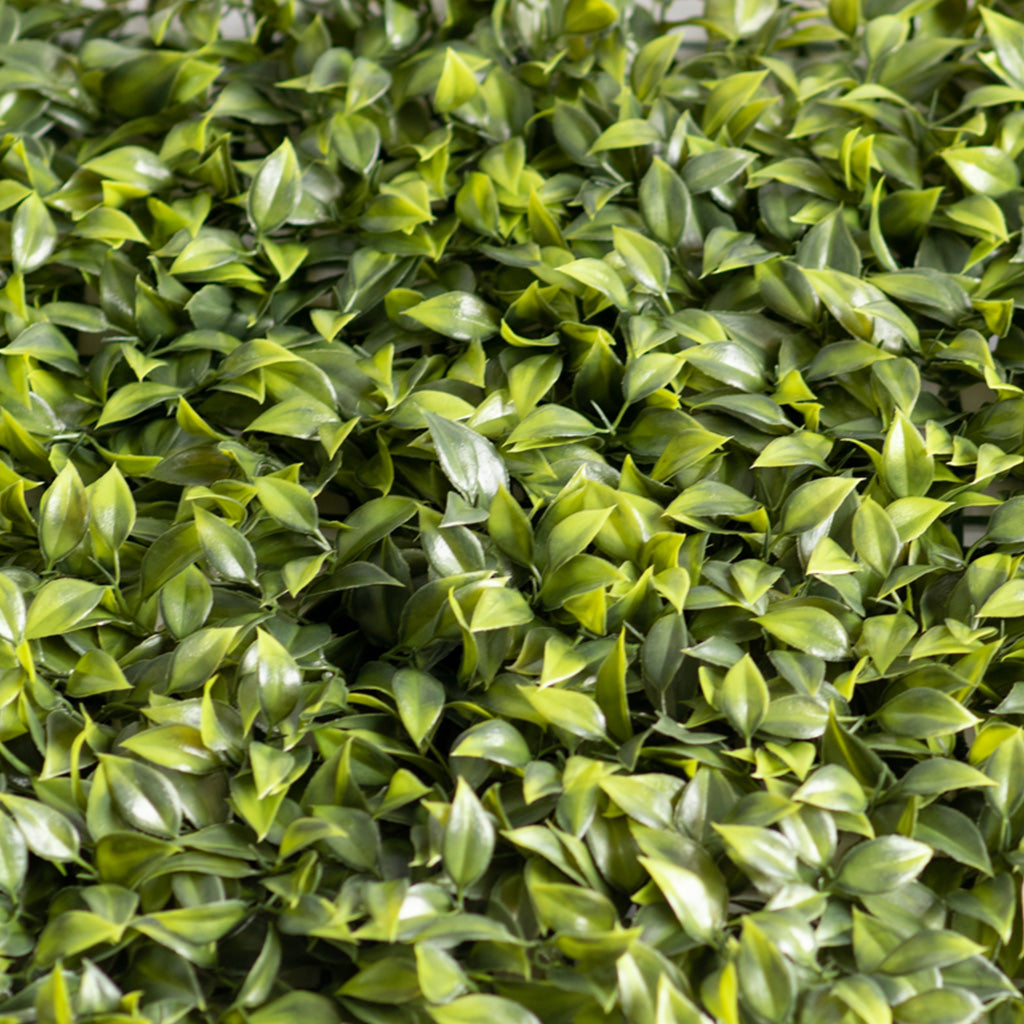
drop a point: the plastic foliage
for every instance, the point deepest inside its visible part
(511, 512)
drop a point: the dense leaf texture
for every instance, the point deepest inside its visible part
(511, 512)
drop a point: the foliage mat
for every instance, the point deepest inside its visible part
(511, 513)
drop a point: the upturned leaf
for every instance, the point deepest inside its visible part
(814, 502)
(458, 315)
(468, 838)
(469, 460)
(276, 189)
(63, 515)
(33, 235)
(882, 865)
(808, 629)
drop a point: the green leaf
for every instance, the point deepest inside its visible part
(198, 656)
(627, 134)
(47, 832)
(832, 788)
(276, 189)
(73, 932)
(500, 608)
(495, 740)
(808, 629)
(766, 980)
(143, 796)
(760, 852)
(279, 676)
(399, 208)
(133, 165)
(697, 898)
(63, 515)
(715, 168)
(744, 697)
(289, 503)
(940, 775)
(874, 537)
(922, 712)
(12, 610)
(420, 699)
(171, 553)
(509, 527)
(471, 1009)
(665, 203)
(1005, 602)
(309, 1007)
(366, 81)
(95, 672)
(576, 713)
(610, 690)
(548, 426)
(371, 522)
(225, 549)
(33, 235)
(882, 865)
(573, 534)
(800, 449)
(13, 860)
(42, 341)
(865, 997)
(814, 502)
(457, 84)
(476, 204)
(787, 291)
(947, 1005)
(830, 246)
(644, 259)
(1007, 35)
(60, 605)
(728, 97)
(600, 276)
(111, 511)
(469, 837)
(907, 466)
(985, 170)
(652, 64)
(135, 398)
(469, 460)
(584, 16)
(356, 140)
(927, 949)
(459, 315)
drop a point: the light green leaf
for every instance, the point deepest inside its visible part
(808, 629)
(644, 259)
(813, 503)
(33, 235)
(697, 899)
(922, 712)
(882, 865)
(60, 605)
(744, 697)
(420, 699)
(468, 838)
(288, 502)
(907, 467)
(276, 189)
(985, 170)
(459, 315)
(457, 84)
(63, 515)
(477, 1007)
(468, 459)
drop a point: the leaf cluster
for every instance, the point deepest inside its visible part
(511, 512)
